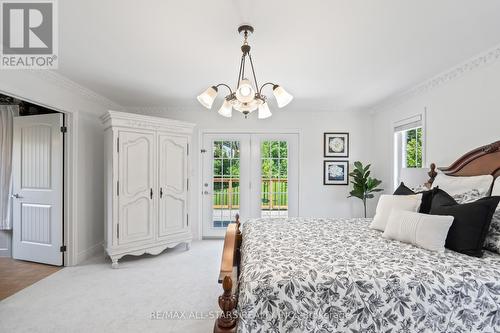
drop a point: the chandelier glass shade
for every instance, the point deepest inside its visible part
(247, 96)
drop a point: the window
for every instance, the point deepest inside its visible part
(274, 178)
(408, 145)
(412, 148)
(226, 182)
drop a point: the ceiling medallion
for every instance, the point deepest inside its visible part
(248, 96)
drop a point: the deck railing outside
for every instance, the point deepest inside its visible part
(274, 193)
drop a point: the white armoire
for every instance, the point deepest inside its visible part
(147, 184)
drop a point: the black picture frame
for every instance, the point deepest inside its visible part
(345, 179)
(327, 152)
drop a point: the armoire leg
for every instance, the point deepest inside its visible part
(188, 246)
(114, 263)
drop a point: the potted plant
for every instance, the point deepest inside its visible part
(363, 185)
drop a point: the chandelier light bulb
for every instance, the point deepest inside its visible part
(207, 98)
(282, 96)
(226, 110)
(264, 111)
(245, 92)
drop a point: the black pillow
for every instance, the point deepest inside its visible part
(403, 190)
(425, 206)
(470, 224)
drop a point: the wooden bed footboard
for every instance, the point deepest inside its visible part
(227, 321)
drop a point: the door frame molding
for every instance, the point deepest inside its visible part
(70, 166)
(202, 133)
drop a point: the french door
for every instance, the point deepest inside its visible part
(253, 175)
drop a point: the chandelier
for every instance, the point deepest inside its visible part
(248, 96)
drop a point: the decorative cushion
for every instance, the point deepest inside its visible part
(425, 206)
(496, 187)
(492, 241)
(469, 196)
(423, 230)
(471, 222)
(403, 190)
(457, 185)
(387, 202)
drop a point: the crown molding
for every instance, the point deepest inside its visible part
(439, 80)
(65, 83)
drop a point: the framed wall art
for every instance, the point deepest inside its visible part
(336, 145)
(336, 173)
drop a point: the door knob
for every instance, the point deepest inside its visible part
(17, 196)
(206, 192)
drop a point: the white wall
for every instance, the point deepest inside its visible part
(89, 190)
(315, 198)
(462, 114)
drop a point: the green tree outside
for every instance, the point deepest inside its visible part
(414, 148)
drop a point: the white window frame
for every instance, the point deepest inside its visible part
(407, 123)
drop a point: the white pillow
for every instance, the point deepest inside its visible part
(423, 230)
(388, 202)
(458, 185)
(496, 187)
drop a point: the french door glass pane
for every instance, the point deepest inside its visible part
(226, 182)
(274, 178)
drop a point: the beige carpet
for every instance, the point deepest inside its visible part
(93, 297)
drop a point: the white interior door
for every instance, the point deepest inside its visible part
(173, 182)
(38, 188)
(254, 175)
(136, 195)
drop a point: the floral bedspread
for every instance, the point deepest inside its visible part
(337, 275)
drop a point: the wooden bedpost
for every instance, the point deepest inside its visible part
(432, 175)
(226, 322)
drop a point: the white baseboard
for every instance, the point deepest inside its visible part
(89, 252)
(5, 243)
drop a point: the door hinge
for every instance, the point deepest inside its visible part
(64, 129)
(118, 187)
(117, 145)
(187, 219)
(187, 149)
(203, 151)
(187, 184)
(62, 248)
(117, 231)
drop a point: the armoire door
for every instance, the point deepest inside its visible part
(136, 190)
(173, 184)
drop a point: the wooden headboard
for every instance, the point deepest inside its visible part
(484, 160)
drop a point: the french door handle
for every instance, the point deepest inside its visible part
(151, 193)
(17, 196)
(206, 192)
(161, 192)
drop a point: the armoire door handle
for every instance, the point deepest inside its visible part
(161, 192)
(151, 193)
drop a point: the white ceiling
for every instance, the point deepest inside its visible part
(331, 55)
